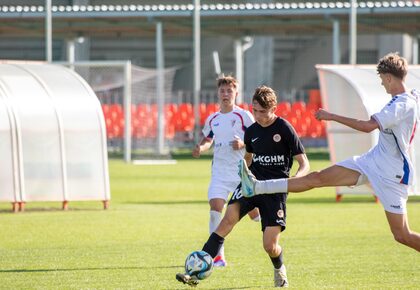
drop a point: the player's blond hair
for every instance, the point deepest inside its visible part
(393, 64)
(265, 96)
(227, 80)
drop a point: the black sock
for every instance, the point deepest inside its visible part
(277, 261)
(213, 244)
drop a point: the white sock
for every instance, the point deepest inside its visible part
(257, 218)
(271, 186)
(215, 218)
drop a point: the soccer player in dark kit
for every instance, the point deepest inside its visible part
(271, 145)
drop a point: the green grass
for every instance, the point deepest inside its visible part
(159, 214)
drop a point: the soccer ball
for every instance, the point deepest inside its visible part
(199, 265)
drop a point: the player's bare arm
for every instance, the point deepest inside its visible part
(304, 166)
(359, 125)
(204, 145)
(248, 158)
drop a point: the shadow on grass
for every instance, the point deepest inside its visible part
(49, 209)
(345, 199)
(318, 155)
(232, 288)
(85, 269)
(187, 156)
(312, 155)
(290, 200)
(329, 200)
(108, 268)
(168, 202)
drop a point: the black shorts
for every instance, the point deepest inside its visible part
(272, 207)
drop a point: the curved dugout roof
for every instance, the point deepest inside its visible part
(356, 91)
(52, 136)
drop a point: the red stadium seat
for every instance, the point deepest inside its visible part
(315, 97)
(212, 108)
(244, 106)
(142, 120)
(115, 112)
(314, 128)
(142, 110)
(298, 108)
(203, 114)
(184, 118)
(292, 119)
(170, 131)
(105, 109)
(117, 130)
(312, 107)
(307, 117)
(170, 110)
(116, 108)
(301, 128)
(108, 125)
(283, 109)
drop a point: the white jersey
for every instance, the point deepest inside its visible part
(222, 128)
(397, 121)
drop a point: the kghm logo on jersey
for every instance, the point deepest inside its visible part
(277, 138)
(269, 160)
(232, 122)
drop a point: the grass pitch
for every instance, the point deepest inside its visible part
(159, 214)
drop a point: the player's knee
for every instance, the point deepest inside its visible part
(271, 248)
(401, 237)
(216, 205)
(217, 208)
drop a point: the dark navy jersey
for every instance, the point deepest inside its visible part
(273, 148)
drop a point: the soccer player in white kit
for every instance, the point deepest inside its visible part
(225, 129)
(387, 166)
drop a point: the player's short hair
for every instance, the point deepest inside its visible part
(265, 96)
(227, 80)
(393, 64)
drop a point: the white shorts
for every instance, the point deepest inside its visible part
(221, 189)
(391, 194)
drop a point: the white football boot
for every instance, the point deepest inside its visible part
(280, 277)
(247, 179)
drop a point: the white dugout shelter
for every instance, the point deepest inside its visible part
(52, 136)
(356, 91)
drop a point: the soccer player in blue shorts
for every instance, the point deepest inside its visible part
(387, 166)
(271, 145)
